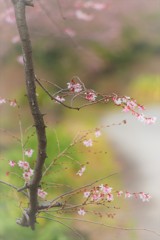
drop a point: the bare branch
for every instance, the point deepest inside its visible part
(108, 226)
(14, 187)
(72, 229)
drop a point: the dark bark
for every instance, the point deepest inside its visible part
(20, 6)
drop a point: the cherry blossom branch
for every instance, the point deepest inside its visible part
(76, 89)
(75, 96)
(29, 218)
(83, 187)
(53, 98)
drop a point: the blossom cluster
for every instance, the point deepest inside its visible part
(77, 88)
(24, 165)
(73, 86)
(27, 170)
(12, 103)
(130, 105)
(104, 193)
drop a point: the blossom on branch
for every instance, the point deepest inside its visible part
(119, 193)
(23, 164)
(74, 87)
(145, 197)
(81, 212)
(91, 96)
(130, 105)
(128, 195)
(105, 189)
(13, 103)
(29, 152)
(109, 197)
(2, 100)
(97, 133)
(27, 175)
(12, 163)
(81, 171)
(59, 98)
(87, 194)
(42, 193)
(88, 143)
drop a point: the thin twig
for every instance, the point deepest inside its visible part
(12, 186)
(10, 134)
(72, 229)
(56, 158)
(109, 226)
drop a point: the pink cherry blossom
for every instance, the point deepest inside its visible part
(117, 101)
(96, 196)
(74, 87)
(110, 197)
(141, 117)
(2, 100)
(91, 96)
(81, 212)
(97, 133)
(131, 104)
(60, 99)
(81, 171)
(23, 164)
(128, 195)
(29, 152)
(150, 120)
(119, 193)
(27, 175)
(145, 197)
(105, 189)
(13, 103)
(42, 193)
(141, 107)
(86, 194)
(126, 109)
(83, 16)
(88, 143)
(12, 163)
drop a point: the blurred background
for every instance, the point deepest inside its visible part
(113, 46)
